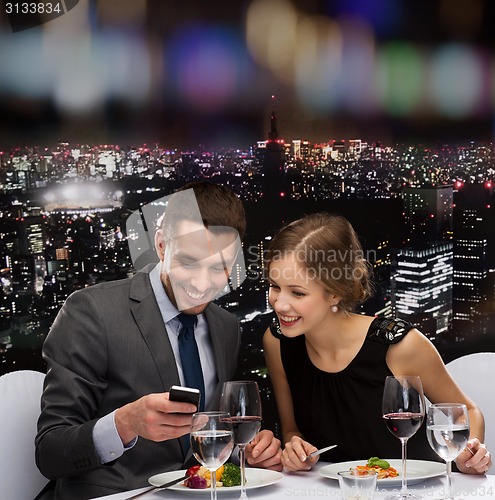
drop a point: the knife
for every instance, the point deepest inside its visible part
(161, 487)
(320, 451)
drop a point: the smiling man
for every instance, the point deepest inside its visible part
(115, 349)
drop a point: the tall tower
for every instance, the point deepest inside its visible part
(428, 214)
(473, 255)
(273, 161)
(422, 287)
(32, 234)
(422, 271)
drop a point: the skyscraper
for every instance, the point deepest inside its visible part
(422, 287)
(32, 234)
(273, 162)
(428, 214)
(473, 256)
(422, 271)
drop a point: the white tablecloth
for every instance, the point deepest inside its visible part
(313, 485)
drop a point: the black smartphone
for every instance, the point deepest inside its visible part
(185, 395)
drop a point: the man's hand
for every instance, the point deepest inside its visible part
(264, 451)
(153, 417)
(295, 453)
(475, 459)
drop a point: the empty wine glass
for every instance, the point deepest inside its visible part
(212, 442)
(403, 408)
(447, 430)
(242, 400)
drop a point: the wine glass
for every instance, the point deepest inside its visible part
(212, 442)
(242, 400)
(447, 430)
(403, 408)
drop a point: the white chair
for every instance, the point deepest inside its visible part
(20, 394)
(475, 375)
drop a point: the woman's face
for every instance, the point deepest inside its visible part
(300, 301)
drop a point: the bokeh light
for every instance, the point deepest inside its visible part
(318, 65)
(358, 82)
(205, 65)
(401, 76)
(457, 80)
(108, 62)
(272, 35)
(385, 16)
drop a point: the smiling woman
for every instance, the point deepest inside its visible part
(327, 252)
(321, 354)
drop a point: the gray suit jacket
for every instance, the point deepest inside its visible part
(107, 347)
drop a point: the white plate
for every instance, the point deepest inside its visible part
(417, 471)
(255, 478)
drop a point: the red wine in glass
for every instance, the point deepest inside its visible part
(403, 411)
(245, 428)
(403, 425)
(241, 399)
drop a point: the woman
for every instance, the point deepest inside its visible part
(328, 364)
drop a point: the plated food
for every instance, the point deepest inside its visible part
(417, 471)
(199, 477)
(382, 468)
(256, 478)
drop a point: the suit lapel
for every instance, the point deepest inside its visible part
(216, 335)
(217, 332)
(150, 323)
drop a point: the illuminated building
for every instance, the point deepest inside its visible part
(32, 234)
(473, 255)
(23, 275)
(62, 253)
(428, 213)
(422, 272)
(422, 287)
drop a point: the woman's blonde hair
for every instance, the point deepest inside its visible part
(328, 248)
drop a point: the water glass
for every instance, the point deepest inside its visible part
(447, 430)
(212, 442)
(357, 485)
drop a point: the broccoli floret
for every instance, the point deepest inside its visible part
(231, 475)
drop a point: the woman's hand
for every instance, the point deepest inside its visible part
(475, 459)
(295, 453)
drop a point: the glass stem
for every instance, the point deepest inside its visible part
(449, 480)
(403, 491)
(242, 461)
(213, 481)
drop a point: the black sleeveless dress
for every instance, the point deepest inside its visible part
(345, 408)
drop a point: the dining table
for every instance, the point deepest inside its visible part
(312, 484)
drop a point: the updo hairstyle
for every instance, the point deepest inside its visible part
(328, 248)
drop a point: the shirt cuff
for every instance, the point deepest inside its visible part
(107, 441)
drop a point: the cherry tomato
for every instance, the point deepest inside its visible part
(193, 470)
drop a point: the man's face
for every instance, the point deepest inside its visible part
(195, 265)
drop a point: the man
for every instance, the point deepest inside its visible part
(114, 351)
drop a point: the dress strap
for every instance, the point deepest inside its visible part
(388, 331)
(275, 330)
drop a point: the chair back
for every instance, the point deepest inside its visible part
(20, 394)
(474, 373)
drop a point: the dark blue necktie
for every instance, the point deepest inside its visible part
(189, 356)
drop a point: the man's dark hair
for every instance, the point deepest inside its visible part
(218, 205)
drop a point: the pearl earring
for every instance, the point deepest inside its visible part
(334, 308)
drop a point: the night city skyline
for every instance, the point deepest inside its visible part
(424, 217)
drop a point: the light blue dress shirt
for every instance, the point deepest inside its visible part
(105, 436)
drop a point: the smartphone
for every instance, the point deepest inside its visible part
(185, 395)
